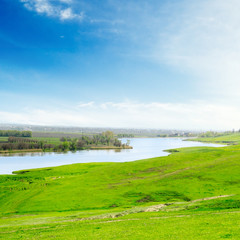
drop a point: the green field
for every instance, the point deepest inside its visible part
(59, 134)
(233, 138)
(194, 193)
(3, 139)
(50, 140)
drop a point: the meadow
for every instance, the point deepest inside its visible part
(230, 138)
(193, 193)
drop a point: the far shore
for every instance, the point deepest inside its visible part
(109, 147)
(85, 148)
(21, 151)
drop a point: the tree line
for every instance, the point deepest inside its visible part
(99, 140)
(21, 143)
(66, 144)
(15, 133)
(125, 135)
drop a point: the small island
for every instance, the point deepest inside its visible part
(12, 141)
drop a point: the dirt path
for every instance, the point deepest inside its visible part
(210, 198)
(166, 217)
(154, 208)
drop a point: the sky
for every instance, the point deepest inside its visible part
(169, 64)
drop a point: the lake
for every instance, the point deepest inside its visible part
(142, 148)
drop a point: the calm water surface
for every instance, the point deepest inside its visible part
(142, 148)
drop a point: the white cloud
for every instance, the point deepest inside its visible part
(204, 42)
(60, 8)
(83, 105)
(68, 14)
(195, 116)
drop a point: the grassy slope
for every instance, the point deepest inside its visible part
(35, 204)
(227, 139)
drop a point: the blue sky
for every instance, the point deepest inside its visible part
(149, 64)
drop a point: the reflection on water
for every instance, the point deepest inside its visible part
(22, 154)
(142, 148)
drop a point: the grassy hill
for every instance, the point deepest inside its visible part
(233, 138)
(191, 191)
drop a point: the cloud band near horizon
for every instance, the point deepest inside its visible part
(129, 114)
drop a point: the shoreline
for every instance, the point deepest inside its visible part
(21, 151)
(2, 152)
(109, 148)
(169, 151)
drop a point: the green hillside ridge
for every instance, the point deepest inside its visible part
(192, 190)
(233, 138)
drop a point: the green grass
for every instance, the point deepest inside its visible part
(60, 134)
(226, 139)
(109, 200)
(49, 140)
(208, 225)
(3, 139)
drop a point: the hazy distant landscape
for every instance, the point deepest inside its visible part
(75, 131)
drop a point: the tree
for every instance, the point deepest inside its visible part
(73, 146)
(109, 134)
(65, 146)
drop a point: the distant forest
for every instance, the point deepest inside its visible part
(125, 135)
(105, 139)
(15, 133)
